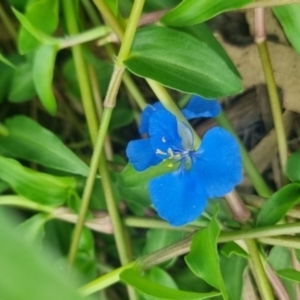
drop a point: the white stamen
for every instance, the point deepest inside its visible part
(160, 152)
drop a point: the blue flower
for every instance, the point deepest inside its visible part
(211, 170)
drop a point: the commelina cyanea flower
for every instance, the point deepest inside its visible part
(209, 171)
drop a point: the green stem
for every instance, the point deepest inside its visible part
(8, 24)
(270, 3)
(291, 242)
(87, 99)
(134, 91)
(92, 13)
(110, 18)
(257, 180)
(84, 37)
(260, 39)
(81, 70)
(140, 222)
(120, 237)
(19, 201)
(258, 271)
(104, 281)
(183, 247)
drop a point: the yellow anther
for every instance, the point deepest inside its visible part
(170, 165)
(170, 153)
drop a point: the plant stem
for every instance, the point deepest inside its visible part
(109, 104)
(103, 281)
(239, 210)
(87, 99)
(84, 37)
(183, 247)
(81, 69)
(110, 18)
(258, 271)
(122, 243)
(8, 24)
(134, 91)
(270, 3)
(260, 39)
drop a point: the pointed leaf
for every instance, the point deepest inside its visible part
(193, 68)
(157, 291)
(33, 229)
(288, 16)
(39, 187)
(292, 167)
(278, 205)
(7, 62)
(190, 12)
(35, 30)
(36, 276)
(29, 140)
(203, 258)
(232, 269)
(232, 248)
(289, 274)
(21, 86)
(43, 67)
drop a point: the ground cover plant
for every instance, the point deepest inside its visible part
(149, 149)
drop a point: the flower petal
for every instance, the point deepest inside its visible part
(144, 122)
(178, 197)
(200, 107)
(163, 131)
(141, 154)
(219, 162)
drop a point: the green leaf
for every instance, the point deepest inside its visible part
(280, 258)
(289, 274)
(35, 276)
(232, 269)
(159, 275)
(132, 178)
(122, 115)
(6, 61)
(278, 205)
(157, 291)
(33, 229)
(21, 86)
(203, 258)
(205, 35)
(193, 68)
(157, 239)
(43, 68)
(29, 140)
(137, 198)
(232, 248)
(288, 16)
(190, 12)
(292, 167)
(85, 261)
(39, 187)
(35, 29)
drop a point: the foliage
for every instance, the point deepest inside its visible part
(87, 204)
